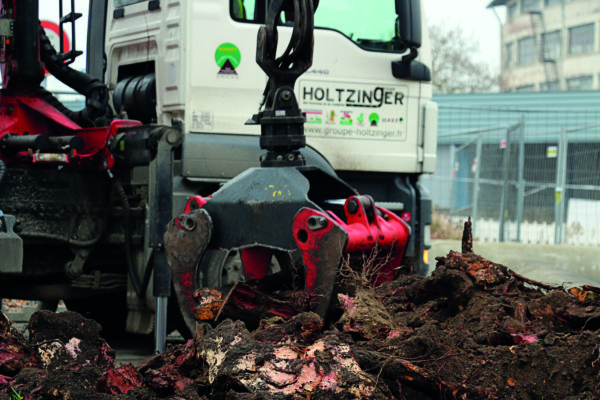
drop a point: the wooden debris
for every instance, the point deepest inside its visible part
(241, 302)
(404, 372)
(324, 369)
(533, 282)
(586, 294)
(591, 288)
(467, 237)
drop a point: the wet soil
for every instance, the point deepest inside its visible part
(472, 330)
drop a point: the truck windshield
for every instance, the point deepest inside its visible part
(370, 24)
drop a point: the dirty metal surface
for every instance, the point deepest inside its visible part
(264, 202)
(186, 238)
(322, 251)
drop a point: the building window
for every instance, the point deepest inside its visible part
(548, 3)
(512, 10)
(581, 83)
(526, 88)
(530, 5)
(527, 53)
(549, 86)
(581, 39)
(509, 56)
(552, 45)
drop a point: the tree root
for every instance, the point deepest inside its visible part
(406, 373)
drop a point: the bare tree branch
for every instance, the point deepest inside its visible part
(454, 65)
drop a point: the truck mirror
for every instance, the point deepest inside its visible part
(408, 23)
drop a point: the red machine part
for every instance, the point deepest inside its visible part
(28, 115)
(96, 140)
(318, 237)
(254, 259)
(323, 239)
(369, 228)
(194, 203)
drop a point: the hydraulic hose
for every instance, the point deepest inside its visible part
(25, 40)
(139, 288)
(97, 111)
(2, 169)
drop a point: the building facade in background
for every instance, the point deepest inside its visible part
(550, 45)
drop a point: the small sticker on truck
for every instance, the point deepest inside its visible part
(351, 110)
(228, 58)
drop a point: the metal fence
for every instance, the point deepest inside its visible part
(529, 176)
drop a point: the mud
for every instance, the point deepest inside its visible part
(472, 330)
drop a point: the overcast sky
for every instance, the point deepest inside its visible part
(477, 21)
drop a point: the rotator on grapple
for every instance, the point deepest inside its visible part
(285, 213)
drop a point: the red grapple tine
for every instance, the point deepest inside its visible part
(256, 261)
(186, 238)
(322, 242)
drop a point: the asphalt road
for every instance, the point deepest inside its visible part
(557, 265)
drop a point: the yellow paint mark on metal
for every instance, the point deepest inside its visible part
(277, 192)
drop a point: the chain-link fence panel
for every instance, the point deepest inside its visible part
(522, 175)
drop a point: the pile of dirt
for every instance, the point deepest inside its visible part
(472, 330)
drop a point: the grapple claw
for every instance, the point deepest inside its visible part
(186, 238)
(322, 242)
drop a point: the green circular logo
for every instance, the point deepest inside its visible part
(374, 119)
(228, 52)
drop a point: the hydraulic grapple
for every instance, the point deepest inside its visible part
(286, 222)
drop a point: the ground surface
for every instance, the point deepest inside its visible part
(472, 330)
